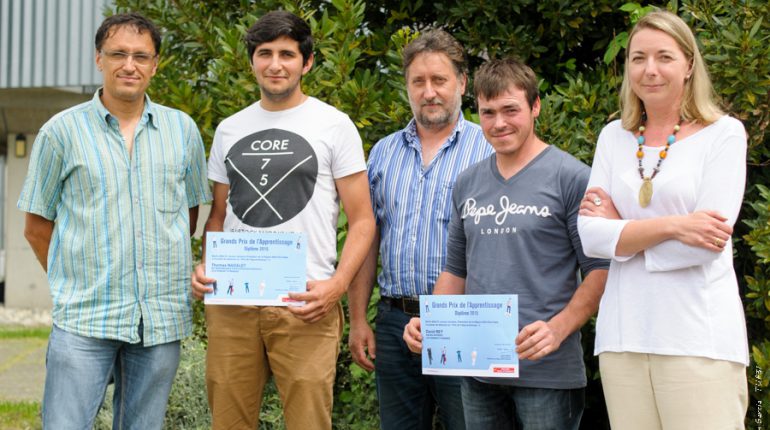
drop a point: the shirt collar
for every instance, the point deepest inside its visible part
(148, 114)
(412, 139)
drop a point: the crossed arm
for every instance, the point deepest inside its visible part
(706, 229)
(669, 241)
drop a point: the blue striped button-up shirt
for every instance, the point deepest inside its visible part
(120, 250)
(413, 203)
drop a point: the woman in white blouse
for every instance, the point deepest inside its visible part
(665, 190)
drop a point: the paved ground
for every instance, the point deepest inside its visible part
(22, 361)
(22, 369)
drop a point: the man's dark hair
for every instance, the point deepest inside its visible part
(437, 41)
(279, 23)
(495, 77)
(131, 19)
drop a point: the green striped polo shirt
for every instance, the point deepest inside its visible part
(120, 251)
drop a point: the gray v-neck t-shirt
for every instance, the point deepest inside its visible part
(520, 236)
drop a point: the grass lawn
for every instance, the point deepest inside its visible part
(19, 332)
(19, 415)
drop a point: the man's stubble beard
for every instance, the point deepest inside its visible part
(444, 119)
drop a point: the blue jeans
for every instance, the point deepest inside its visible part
(78, 370)
(503, 407)
(408, 399)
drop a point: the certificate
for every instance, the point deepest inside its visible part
(255, 268)
(470, 335)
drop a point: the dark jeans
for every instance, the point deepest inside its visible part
(408, 399)
(503, 407)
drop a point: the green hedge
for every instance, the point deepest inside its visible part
(575, 46)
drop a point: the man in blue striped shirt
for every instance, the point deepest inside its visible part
(411, 175)
(112, 197)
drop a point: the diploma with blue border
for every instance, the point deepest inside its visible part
(470, 335)
(255, 268)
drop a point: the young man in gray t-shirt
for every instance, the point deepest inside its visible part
(514, 230)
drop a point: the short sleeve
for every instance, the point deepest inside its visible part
(348, 150)
(373, 169)
(217, 171)
(455, 245)
(43, 185)
(196, 183)
(573, 185)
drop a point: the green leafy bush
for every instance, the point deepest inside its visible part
(574, 112)
(735, 36)
(758, 308)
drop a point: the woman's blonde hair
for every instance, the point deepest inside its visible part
(698, 101)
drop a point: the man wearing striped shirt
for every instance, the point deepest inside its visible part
(112, 197)
(411, 175)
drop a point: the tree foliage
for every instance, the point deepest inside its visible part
(576, 46)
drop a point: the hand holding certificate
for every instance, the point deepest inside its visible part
(469, 335)
(255, 268)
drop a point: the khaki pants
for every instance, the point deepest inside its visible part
(649, 392)
(247, 344)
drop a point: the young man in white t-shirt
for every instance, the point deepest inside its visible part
(283, 164)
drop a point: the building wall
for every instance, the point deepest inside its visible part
(24, 111)
(46, 65)
(49, 43)
(25, 281)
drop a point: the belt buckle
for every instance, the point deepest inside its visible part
(410, 306)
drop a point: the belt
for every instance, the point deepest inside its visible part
(408, 305)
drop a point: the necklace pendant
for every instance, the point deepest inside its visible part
(645, 192)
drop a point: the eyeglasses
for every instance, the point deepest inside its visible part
(120, 57)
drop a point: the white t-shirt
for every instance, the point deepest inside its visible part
(281, 167)
(672, 299)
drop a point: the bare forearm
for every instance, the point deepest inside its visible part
(584, 304)
(214, 224)
(38, 232)
(356, 249)
(40, 248)
(354, 195)
(216, 219)
(706, 229)
(193, 219)
(360, 291)
(639, 235)
(448, 283)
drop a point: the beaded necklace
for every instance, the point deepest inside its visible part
(645, 192)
